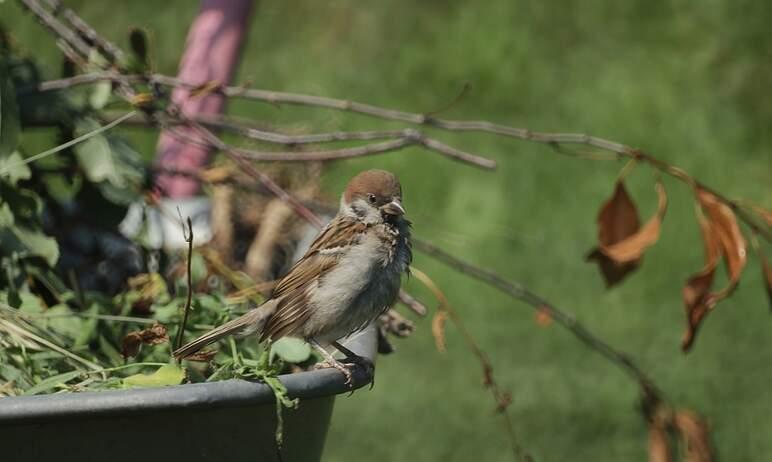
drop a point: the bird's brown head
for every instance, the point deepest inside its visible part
(374, 190)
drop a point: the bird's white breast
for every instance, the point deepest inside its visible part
(356, 290)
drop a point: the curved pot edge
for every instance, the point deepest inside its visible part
(228, 393)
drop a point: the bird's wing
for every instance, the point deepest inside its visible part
(293, 291)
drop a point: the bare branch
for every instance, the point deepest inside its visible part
(410, 302)
(368, 150)
(556, 140)
(521, 293)
(188, 235)
(112, 52)
(60, 30)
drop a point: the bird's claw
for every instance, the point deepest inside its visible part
(343, 368)
(346, 367)
(364, 363)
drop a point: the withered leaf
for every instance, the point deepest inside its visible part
(765, 214)
(438, 330)
(660, 417)
(202, 356)
(153, 335)
(766, 271)
(722, 238)
(696, 292)
(204, 89)
(443, 310)
(618, 218)
(632, 248)
(733, 245)
(695, 434)
(659, 445)
(621, 240)
(149, 287)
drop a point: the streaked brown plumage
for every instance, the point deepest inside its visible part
(348, 277)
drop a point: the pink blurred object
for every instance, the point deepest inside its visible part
(212, 52)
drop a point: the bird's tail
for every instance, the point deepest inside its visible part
(251, 322)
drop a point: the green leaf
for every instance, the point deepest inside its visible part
(62, 320)
(100, 95)
(30, 304)
(6, 216)
(94, 154)
(9, 115)
(88, 327)
(13, 167)
(138, 41)
(168, 312)
(32, 243)
(170, 374)
(52, 382)
(208, 302)
(116, 195)
(25, 204)
(110, 351)
(63, 188)
(292, 350)
(111, 163)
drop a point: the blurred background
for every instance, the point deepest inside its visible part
(688, 83)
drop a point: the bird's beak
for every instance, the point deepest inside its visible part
(393, 208)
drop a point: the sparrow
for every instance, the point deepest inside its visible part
(349, 276)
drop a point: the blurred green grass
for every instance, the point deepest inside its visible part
(686, 82)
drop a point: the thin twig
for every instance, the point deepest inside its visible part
(188, 235)
(68, 144)
(112, 52)
(247, 167)
(410, 302)
(368, 150)
(60, 30)
(501, 398)
(556, 140)
(521, 293)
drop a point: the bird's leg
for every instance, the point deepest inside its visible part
(329, 359)
(354, 358)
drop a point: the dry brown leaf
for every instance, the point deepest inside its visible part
(202, 356)
(441, 316)
(696, 292)
(206, 88)
(695, 434)
(621, 240)
(722, 238)
(659, 444)
(153, 335)
(618, 218)
(766, 271)
(438, 330)
(632, 248)
(150, 287)
(216, 174)
(733, 245)
(765, 214)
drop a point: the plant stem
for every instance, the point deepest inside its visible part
(186, 311)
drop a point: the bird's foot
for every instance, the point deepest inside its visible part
(364, 363)
(344, 369)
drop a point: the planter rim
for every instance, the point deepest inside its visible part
(227, 393)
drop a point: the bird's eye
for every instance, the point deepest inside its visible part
(371, 198)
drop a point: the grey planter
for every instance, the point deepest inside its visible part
(233, 420)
